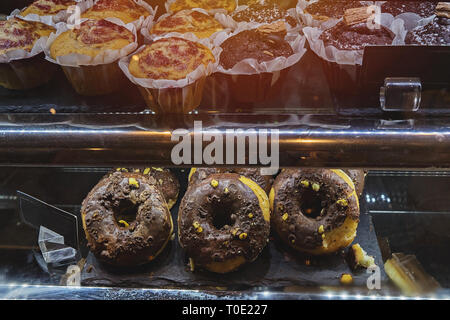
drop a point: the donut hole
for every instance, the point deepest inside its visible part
(311, 204)
(221, 217)
(126, 211)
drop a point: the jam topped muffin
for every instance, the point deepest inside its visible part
(326, 9)
(178, 5)
(169, 59)
(16, 33)
(422, 8)
(47, 7)
(200, 24)
(93, 37)
(437, 32)
(263, 13)
(125, 10)
(258, 45)
(356, 36)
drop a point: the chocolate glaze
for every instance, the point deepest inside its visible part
(264, 181)
(358, 176)
(164, 179)
(289, 195)
(202, 202)
(437, 32)
(258, 45)
(422, 8)
(146, 235)
(331, 8)
(357, 36)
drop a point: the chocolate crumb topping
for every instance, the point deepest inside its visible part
(437, 32)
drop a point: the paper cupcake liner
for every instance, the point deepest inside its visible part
(173, 96)
(227, 20)
(147, 25)
(26, 73)
(343, 67)
(96, 75)
(250, 81)
(19, 54)
(212, 11)
(53, 20)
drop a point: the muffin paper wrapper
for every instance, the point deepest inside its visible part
(199, 73)
(212, 11)
(148, 24)
(351, 57)
(76, 59)
(227, 20)
(53, 20)
(252, 66)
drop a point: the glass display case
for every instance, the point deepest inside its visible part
(292, 101)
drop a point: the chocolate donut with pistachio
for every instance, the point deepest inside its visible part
(315, 211)
(223, 222)
(164, 179)
(358, 177)
(126, 219)
(264, 181)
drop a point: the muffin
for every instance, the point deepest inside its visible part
(178, 5)
(341, 51)
(437, 32)
(125, 10)
(170, 73)
(200, 24)
(422, 8)
(22, 63)
(263, 13)
(322, 11)
(96, 44)
(47, 7)
(257, 79)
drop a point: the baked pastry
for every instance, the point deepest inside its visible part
(436, 32)
(356, 36)
(357, 257)
(223, 222)
(258, 45)
(125, 10)
(330, 9)
(170, 59)
(358, 177)
(178, 5)
(164, 179)
(263, 13)
(200, 24)
(315, 211)
(16, 33)
(92, 37)
(47, 7)
(25, 73)
(264, 181)
(126, 220)
(422, 8)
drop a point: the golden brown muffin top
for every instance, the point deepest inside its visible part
(229, 5)
(16, 33)
(47, 7)
(91, 38)
(125, 10)
(170, 59)
(201, 24)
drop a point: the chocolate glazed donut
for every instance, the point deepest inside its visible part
(315, 211)
(223, 221)
(358, 177)
(165, 180)
(264, 181)
(126, 220)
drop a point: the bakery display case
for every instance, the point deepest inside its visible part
(224, 149)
